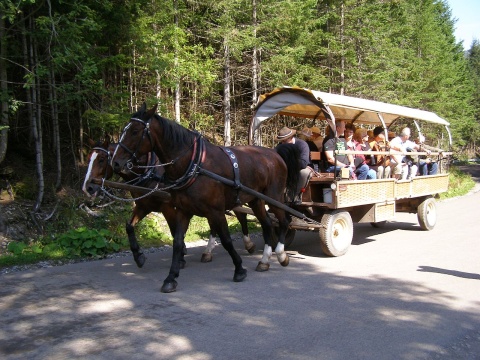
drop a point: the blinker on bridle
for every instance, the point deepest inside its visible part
(133, 157)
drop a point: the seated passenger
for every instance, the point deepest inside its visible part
(317, 137)
(287, 136)
(334, 163)
(380, 163)
(426, 165)
(349, 131)
(360, 141)
(307, 133)
(404, 166)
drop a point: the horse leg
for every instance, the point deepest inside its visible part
(181, 226)
(218, 223)
(137, 252)
(207, 253)
(258, 207)
(169, 213)
(282, 231)
(249, 244)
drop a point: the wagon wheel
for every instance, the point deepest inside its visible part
(427, 213)
(336, 233)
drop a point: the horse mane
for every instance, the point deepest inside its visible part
(291, 156)
(174, 132)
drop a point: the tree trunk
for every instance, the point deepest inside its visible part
(35, 116)
(177, 83)
(226, 95)
(56, 132)
(3, 91)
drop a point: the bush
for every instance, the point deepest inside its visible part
(83, 242)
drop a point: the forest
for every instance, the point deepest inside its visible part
(73, 70)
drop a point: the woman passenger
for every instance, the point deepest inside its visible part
(360, 141)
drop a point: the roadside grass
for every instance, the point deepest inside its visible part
(107, 235)
(460, 184)
(82, 236)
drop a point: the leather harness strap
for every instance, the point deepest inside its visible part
(236, 171)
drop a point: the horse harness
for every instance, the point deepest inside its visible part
(194, 168)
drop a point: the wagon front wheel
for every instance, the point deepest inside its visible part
(427, 213)
(336, 233)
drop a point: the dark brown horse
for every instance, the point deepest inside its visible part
(146, 174)
(195, 174)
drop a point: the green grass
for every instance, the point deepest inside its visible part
(151, 232)
(460, 184)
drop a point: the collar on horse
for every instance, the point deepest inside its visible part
(198, 157)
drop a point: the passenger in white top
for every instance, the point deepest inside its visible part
(401, 166)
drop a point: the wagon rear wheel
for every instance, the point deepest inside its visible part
(336, 233)
(427, 213)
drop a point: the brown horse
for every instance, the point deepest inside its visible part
(147, 174)
(206, 180)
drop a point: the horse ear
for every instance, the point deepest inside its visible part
(152, 111)
(143, 108)
(106, 141)
(91, 142)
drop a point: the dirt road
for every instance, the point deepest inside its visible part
(399, 293)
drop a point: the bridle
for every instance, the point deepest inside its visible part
(109, 159)
(190, 174)
(133, 157)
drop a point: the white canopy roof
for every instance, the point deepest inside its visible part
(298, 102)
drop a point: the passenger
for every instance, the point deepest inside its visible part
(370, 136)
(287, 136)
(307, 133)
(380, 163)
(317, 137)
(349, 131)
(391, 135)
(404, 166)
(426, 165)
(362, 170)
(330, 145)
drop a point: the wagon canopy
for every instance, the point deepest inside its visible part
(305, 103)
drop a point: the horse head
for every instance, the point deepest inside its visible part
(131, 145)
(98, 166)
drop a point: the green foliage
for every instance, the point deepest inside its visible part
(153, 231)
(83, 242)
(25, 188)
(460, 184)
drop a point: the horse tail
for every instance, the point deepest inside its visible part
(291, 156)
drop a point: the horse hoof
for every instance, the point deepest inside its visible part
(262, 267)
(240, 276)
(140, 260)
(182, 264)
(286, 261)
(169, 287)
(251, 249)
(206, 257)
